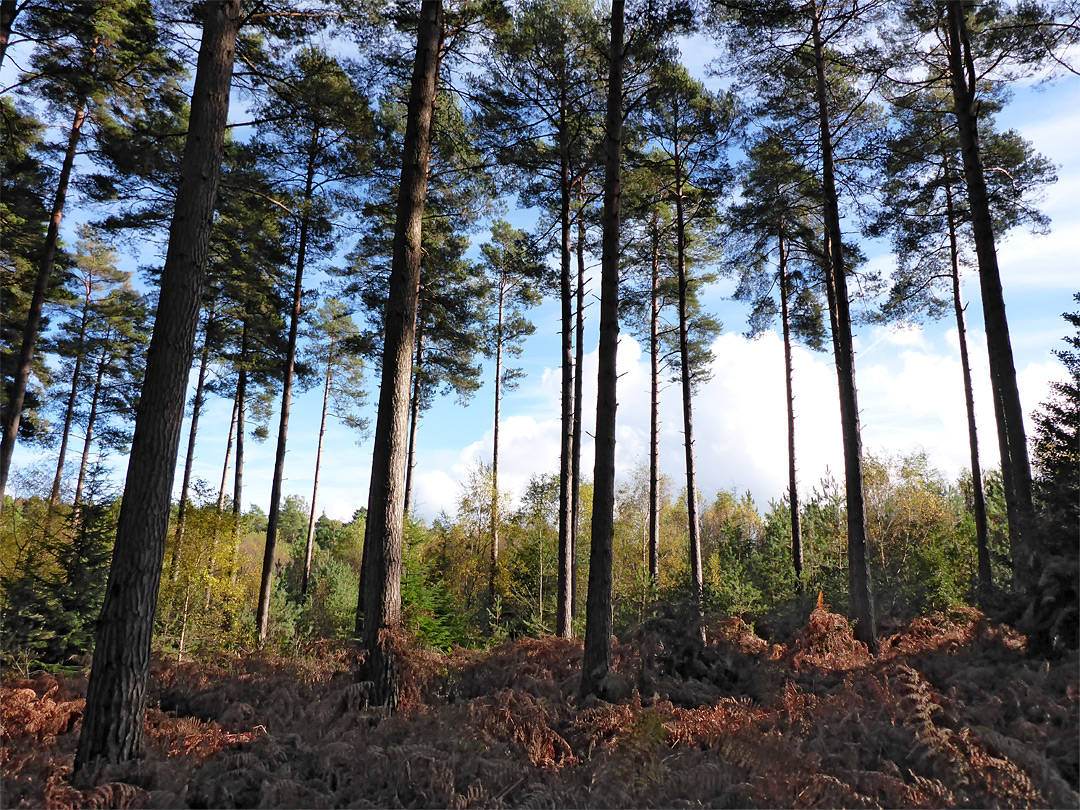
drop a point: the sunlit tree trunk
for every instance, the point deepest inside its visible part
(495, 446)
(380, 600)
(982, 541)
(862, 603)
(310, 544)
(596, 660)
(565, 596)
(793, 483)
(654, 410)
(69, 411)
(414, 416)
(91, 420)
(273, 516)
(1015, 466)
(113, 721)
(579, 361)
(228, 455)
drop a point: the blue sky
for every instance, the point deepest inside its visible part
(909, 381)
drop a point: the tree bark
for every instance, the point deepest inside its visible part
(654, 411)
(9, 9)
(37, 301)
(310, 544)
(414, 416)
(862, 602)
(793, 484)
(564, 596)
(262, 616)
(113, 721)
(69, 412)
(982, 540)
(495, 448)
(579, 371)
(1015, 466)
(694, 524)
(596, 661)
(241, 413)
(381, 577)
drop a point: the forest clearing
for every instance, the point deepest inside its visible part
(265, 199)
(953, 713)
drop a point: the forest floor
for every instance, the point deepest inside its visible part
(953, 712)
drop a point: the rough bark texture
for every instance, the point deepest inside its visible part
(596, 661)
(9, 9)
(982, 539)
(793, 483)
(1015, 466)
(37, 302)
(273, 516)
(381, 576)
(112, 727)
(862, 603)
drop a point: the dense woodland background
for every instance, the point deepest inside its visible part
(443, 654)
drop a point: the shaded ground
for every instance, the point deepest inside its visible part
(952, 713)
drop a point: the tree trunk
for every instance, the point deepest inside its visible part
(565, 596)
(241, 413)
(9, 9)
(414, 416)
(228, 455)
(694, 524)
(596, 661)
(37, 302)
(495, 450)
(69, 412)
(380, 588)
(196, 409)
(862, 602)
(84, 462)
(654, 411)
(579, 371)
(982, 541)
(310, 544)
(273, 516)
(793, 484)
(113, 721)
(1015, 467)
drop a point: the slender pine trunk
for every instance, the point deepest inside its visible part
(25, 362)
(565, 596)
(596, 659)
(114, 718)
(91, 420)
(793, 483)
(495, 447)
(228, 455)
(273, 516)
(982, 539)
(862, 602)
(414, 415)
(1015, 466)
(579, 371)
(310, 544)
(380, 588)
(654, 410)
(69, 411)
(189, 462)
(9, 9)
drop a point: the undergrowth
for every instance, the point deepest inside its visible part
(953, 712)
